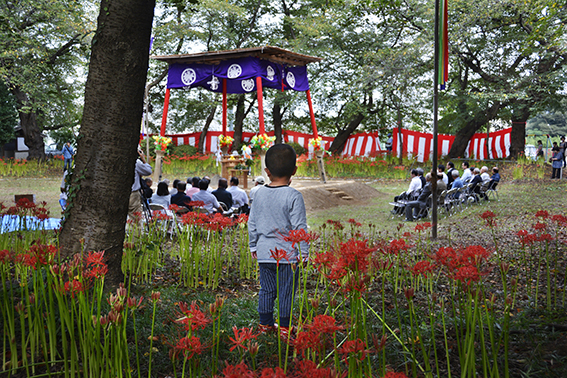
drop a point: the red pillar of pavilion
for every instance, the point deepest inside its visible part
(164, 115)
(260, 104)
(224, 106)
(312, 114)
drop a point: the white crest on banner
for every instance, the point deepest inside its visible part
(290, 78)
(271, 73)
(188, 76)
(248, 85)
(234, 71)
(214, 83)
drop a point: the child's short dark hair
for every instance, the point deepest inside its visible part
(280, 160)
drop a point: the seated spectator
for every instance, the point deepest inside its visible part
(194, 182)
(258, 183)
(180, 198)
(420, 173)
(467, 174)
(239, 196)
(410, 194)
(210, 202)
(161, 196)
(484, 174)
(476, 181)
(222, 194)
(450, 169)
(441, 173)
(173, 190)
(146, 185)
(420, 202)
(457, 182)
(494, 179)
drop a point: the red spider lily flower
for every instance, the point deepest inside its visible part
(42, 254)
(467, 274)
(407, 235)
(194, 318)
(545, 238)
(196, 204)
(96, 272)
(241, 336)
(242, 219)
(237, 371)
(356, 283)
(475, 254)
(542, 214)
(298, 236)
(561, 220)
(396, 246)
(190, 346)
(305, 340)
(324, 260)
(422, 267)
(351, 347)
(444, 256)
(155, 296)
(309, 369)
(354, 223)
(354, 255)
(278, 254)
(392, 374)
(74, 286)
(422, 226)
(273, 373)
(5, 256)
(323, 324)
(539, 226)
(490, 218)
(336, 224)
(174, 207)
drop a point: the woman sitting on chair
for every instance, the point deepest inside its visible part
(161, 196)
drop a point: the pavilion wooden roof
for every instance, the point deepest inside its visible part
(269, 53)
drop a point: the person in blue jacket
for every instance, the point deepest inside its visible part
(68, 154)
(556, 163)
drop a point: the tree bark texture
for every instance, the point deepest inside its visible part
(239, 117)
(110, 131)
(342, 136)
(463, 136)
(520, 116)
(28, 122)
(277, 119)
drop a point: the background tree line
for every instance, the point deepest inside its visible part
(507, 62)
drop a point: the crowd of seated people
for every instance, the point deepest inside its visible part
(416, 197)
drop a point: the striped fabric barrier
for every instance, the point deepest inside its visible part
(420, 145)
(362, 144)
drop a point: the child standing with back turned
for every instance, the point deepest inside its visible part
(277, 209)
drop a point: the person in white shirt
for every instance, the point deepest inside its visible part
(484, 174)
(441, 173)
(259, 182)
(161, 196)
(210, 201)
(467, 174)
(239, 196)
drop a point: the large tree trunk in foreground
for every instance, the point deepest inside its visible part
(106, 148)
(463, 136)
(28, 122)
(203, 136)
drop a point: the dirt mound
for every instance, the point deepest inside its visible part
(319, 196)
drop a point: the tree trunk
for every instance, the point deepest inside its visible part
(239, 117)
(203, 136)
(28, 122)
(277, 119)
(342, 136)
(463, 136)
(110, 131)
(520, 116)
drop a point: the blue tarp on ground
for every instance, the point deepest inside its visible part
(12, 223)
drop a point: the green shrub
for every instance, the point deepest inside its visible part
(184, 149)
(299, 149)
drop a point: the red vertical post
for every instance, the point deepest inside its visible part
(260, 104)
(311, 114)
(224, 106)
(164, 115)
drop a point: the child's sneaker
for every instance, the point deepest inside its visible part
(287, 334)
(263, 329)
